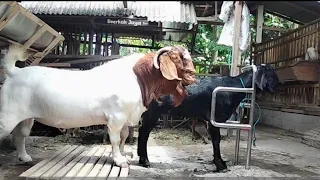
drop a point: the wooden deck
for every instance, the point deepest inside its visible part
(77, 161)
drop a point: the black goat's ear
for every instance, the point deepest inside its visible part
(261, 79)
(262, 83)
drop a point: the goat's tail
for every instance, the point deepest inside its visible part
(15, 53)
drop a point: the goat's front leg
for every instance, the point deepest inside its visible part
(20, 132)
(193, 129)
(114, 129)
(123, 136)
(216, 138)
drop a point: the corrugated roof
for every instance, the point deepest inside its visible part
(155, 11)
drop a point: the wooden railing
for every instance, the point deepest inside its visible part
(293, 96)
(290, 47)
(284, 52)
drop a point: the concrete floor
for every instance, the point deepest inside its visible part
(277, 154)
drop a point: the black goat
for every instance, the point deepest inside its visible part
(198, 105)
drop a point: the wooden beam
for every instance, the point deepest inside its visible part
(65, 57)
(91, 60)
(235, 49)
(55, 64)
(212, 21)
(202, 6)
(14, 11)
(38, 56)
(259, 23)
(35, 36)
(209, 20)
(137, 46)
(205, 9)
(125, 4)
(254, 7)
(274, 29)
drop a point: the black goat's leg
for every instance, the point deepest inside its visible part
(144, 131)
(216, 138)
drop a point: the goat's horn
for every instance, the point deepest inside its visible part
(160, 51)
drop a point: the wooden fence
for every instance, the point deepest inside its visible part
(290, 47)
(299, 78)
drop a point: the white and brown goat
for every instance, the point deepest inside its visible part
(114, 94)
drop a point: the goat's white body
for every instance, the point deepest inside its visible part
(108, 94)
(69, 99)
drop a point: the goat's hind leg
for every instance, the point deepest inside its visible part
(20, 132)
(7, 123)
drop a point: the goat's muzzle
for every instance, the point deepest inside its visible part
(189, 76)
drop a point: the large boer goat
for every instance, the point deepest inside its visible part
(198, 105)
(115, 94)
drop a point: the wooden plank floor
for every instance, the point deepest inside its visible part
(73, 161)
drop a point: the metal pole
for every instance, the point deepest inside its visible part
(237, 147)
(253, 100)
(236, 124)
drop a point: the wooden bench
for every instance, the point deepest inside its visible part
(77, 161)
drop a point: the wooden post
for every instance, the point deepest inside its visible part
(236, 55)
(77, 41)
(84, 42)
(193, 40)
(106, 47)
(165, 121)
(216, 10)
(235, 49)
(64, 45)
(98, 44)
(215, 35)
(90, 42)
(259, 23)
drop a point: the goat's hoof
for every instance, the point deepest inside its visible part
(221, 170)
(25, 158)
(121, 161)
(123, 165)
(221, 166)
(144, 162)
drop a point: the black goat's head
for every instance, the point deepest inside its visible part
(266, 78)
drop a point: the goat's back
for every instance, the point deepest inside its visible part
(198, 103)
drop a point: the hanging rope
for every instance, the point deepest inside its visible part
(259, 110)
(230, 60)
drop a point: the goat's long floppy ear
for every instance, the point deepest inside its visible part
(168, 68)
(158, 53)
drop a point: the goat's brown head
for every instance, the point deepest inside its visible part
(165, 72)
(175, 63)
